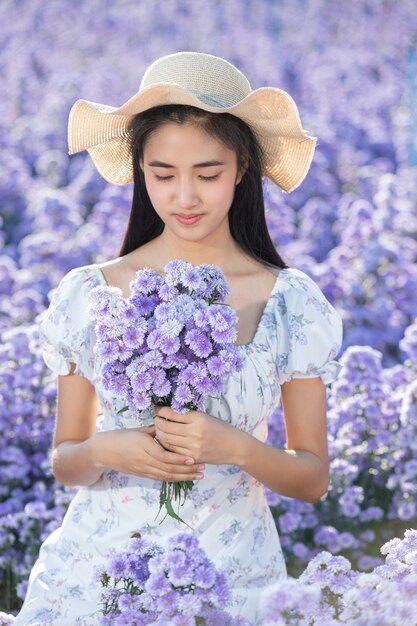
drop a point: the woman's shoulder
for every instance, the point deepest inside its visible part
(304, 328)
(299, 290)
(298, 299)
(293, 279)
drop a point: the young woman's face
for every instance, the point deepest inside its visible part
(190, 178)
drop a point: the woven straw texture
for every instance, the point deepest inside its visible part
(206, 82)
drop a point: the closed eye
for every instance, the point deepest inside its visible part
(206, 178)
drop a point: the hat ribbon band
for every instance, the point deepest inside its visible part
(208, 99)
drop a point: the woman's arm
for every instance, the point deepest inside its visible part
(300, 471)
(80, 455)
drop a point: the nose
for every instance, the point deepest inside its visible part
(186, 195)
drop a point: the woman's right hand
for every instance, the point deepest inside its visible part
(135, 451)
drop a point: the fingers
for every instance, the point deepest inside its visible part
(169, 427)
(167, 413)
(170, 472)
(169, 441)
(150, 430)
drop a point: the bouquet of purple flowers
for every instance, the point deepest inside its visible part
(179, 585)
(170, 343)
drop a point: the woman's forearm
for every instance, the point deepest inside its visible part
(293, 473)
(73, 463)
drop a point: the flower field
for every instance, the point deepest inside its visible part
(352, 226)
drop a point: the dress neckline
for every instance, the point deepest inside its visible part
(263, 314)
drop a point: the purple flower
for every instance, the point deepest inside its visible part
(183, 395)
(216, 365)
(165, 311)
(167, 292)
(169, 345)
(146, 282)
(199, 343)
(141, 381)
(108, 349)
(134, 335)
(191, 278)
(161, 389)
(117, 566)
(171, 328)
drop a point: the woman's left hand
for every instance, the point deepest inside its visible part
(204, 438)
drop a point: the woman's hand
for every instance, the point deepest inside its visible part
(135, 451)
(202, 437)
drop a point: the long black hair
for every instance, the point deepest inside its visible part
(247, 221)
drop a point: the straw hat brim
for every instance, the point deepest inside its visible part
(270, 112)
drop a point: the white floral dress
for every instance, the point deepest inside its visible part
(299, 335)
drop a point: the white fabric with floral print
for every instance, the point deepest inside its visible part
(299, 335)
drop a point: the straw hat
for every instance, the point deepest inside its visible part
(206, 82)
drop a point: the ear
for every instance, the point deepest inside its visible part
(141, 164)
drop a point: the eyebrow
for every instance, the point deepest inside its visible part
(204, 164)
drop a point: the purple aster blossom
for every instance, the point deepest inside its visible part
(119, 384)
(168, 293)
(133, 336)
(154, 339)
(117, 566)
(191, 278)
(204, 577)
(188, 542)
(180, 576)
(185, 306)
(169, 345)
(207, 386)
(171, 328)
(102, 330)
(112, 368)
(178, 407)
(189, 375)
(125, 352)
(165, 311)
(216, 288)
(144, 305)
(200, 318)
(107, 350)
(221, 317)
(175, 557)
(141, 381)
(224, 336)
(173, 271)
(136, 365)
(158, 375)
(157, 564)
(147, 281)
(153, 359)
(100, 298)
(157, 584)
(177, 361)
(140, 401)
(166, 603)
(198, 342)
(137, 569)
(217, 365)
(161, 389)
(183, 395)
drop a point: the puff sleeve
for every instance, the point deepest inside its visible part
(66, 333)
(309, 330)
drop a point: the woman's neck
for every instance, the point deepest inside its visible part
(221, 251)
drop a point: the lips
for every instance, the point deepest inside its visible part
(187, 220)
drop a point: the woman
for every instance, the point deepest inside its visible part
(196, 141)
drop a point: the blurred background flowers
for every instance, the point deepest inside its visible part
(351, 66)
